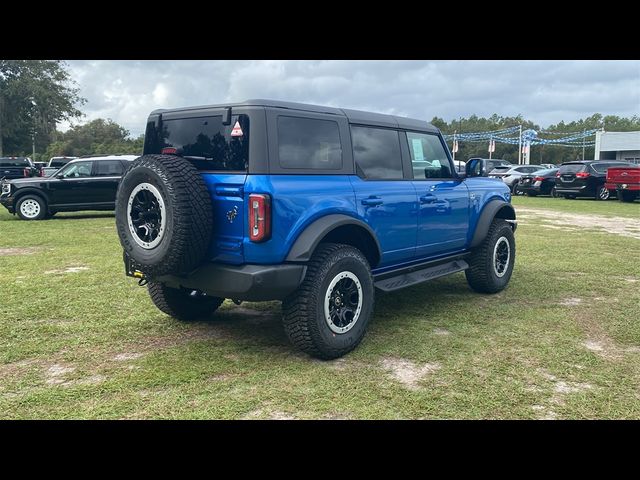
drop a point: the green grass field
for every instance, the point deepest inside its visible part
(78, 339)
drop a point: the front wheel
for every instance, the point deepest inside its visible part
(31, 207)
(603, 193)
(491, 264)
(327, 316)
(183, 304)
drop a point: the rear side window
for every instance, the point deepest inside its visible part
(205, 141)
(309, 143)
(572, 168)
(376, 152)
(109, 168)
(428, 157)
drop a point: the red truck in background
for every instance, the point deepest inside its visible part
(625, 181)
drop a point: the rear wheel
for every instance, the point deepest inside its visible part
(553, 193)
(491, 264)
(603, 193)
(327, 316)
(626, 196)
(183, 304)
(31, 207)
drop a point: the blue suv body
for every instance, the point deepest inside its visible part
(252, 201)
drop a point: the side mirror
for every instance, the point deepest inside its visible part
(475, 168)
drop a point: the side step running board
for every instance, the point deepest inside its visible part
(419, 276)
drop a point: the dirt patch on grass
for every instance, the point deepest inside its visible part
(407, 372)
(62, 271)
(125, 357)
(5, 252)
(597, 340)
(56, 374)
(625, 227)
(441, 332)
(560, 388)
(570, 302)
(264, 414)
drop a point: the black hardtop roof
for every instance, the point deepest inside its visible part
(354, 116)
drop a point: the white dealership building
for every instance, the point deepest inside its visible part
(624, 146)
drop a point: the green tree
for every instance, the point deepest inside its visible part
(34, 96)
(99, 136)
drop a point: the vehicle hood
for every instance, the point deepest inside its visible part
(26, 181)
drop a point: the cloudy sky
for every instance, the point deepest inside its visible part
(543, 91)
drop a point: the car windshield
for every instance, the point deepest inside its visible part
(14, 162)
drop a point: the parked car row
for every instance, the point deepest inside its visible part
(81, 184)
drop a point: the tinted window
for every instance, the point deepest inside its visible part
(208, 143)
(491, 164)
(428, 157)
(77, 170)
(309, 143)
(602, 167)
(109, 168)
(544, 173)
(14, 162)
(376, 152)
(572, 168)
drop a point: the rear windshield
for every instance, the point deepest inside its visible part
(205, 141)
(14, 162)
(59, 163)
(602, 167)
(572, 168)
(495, 165)
(544, 173)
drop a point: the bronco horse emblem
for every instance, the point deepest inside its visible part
(232, 214)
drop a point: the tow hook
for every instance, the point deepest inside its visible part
(143, 278)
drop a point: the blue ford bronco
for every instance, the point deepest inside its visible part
(314, 206)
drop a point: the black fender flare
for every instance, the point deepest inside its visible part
(19, 193)
(489, 212)
(308, 240)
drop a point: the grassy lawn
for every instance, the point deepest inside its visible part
(78, 339)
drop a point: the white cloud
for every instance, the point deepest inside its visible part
(543, 91)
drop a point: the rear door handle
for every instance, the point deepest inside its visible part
(372, 201)
(428, 198)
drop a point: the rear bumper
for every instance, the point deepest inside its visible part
(623, 186)
(244, 282)
(581, 190)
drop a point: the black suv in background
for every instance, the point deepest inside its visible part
(542, 182)
(585, 178)
(82, 184)
(17, 167)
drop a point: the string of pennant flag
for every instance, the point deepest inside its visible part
(571, 139)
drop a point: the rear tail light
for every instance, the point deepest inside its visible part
(538, 179)
(41, 172)
(26, 172)
(583, 174)
(557, 174)
(259, 217)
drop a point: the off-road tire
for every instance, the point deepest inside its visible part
(304, 317)
(179, 304)
(33, 198)
(481, 274)
(625, 196)
(189, 215)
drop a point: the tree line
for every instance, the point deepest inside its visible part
(35, 95)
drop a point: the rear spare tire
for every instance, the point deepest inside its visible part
(164, 215)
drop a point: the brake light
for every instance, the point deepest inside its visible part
(259, 217)
(557, 174)
(538, 179)
(169, 151)
(25, 172)
(41, 173)
(583, 174)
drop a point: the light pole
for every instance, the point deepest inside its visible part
(33, 136)
(583, 144)
(520, 146)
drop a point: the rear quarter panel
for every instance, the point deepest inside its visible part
(297, 201)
